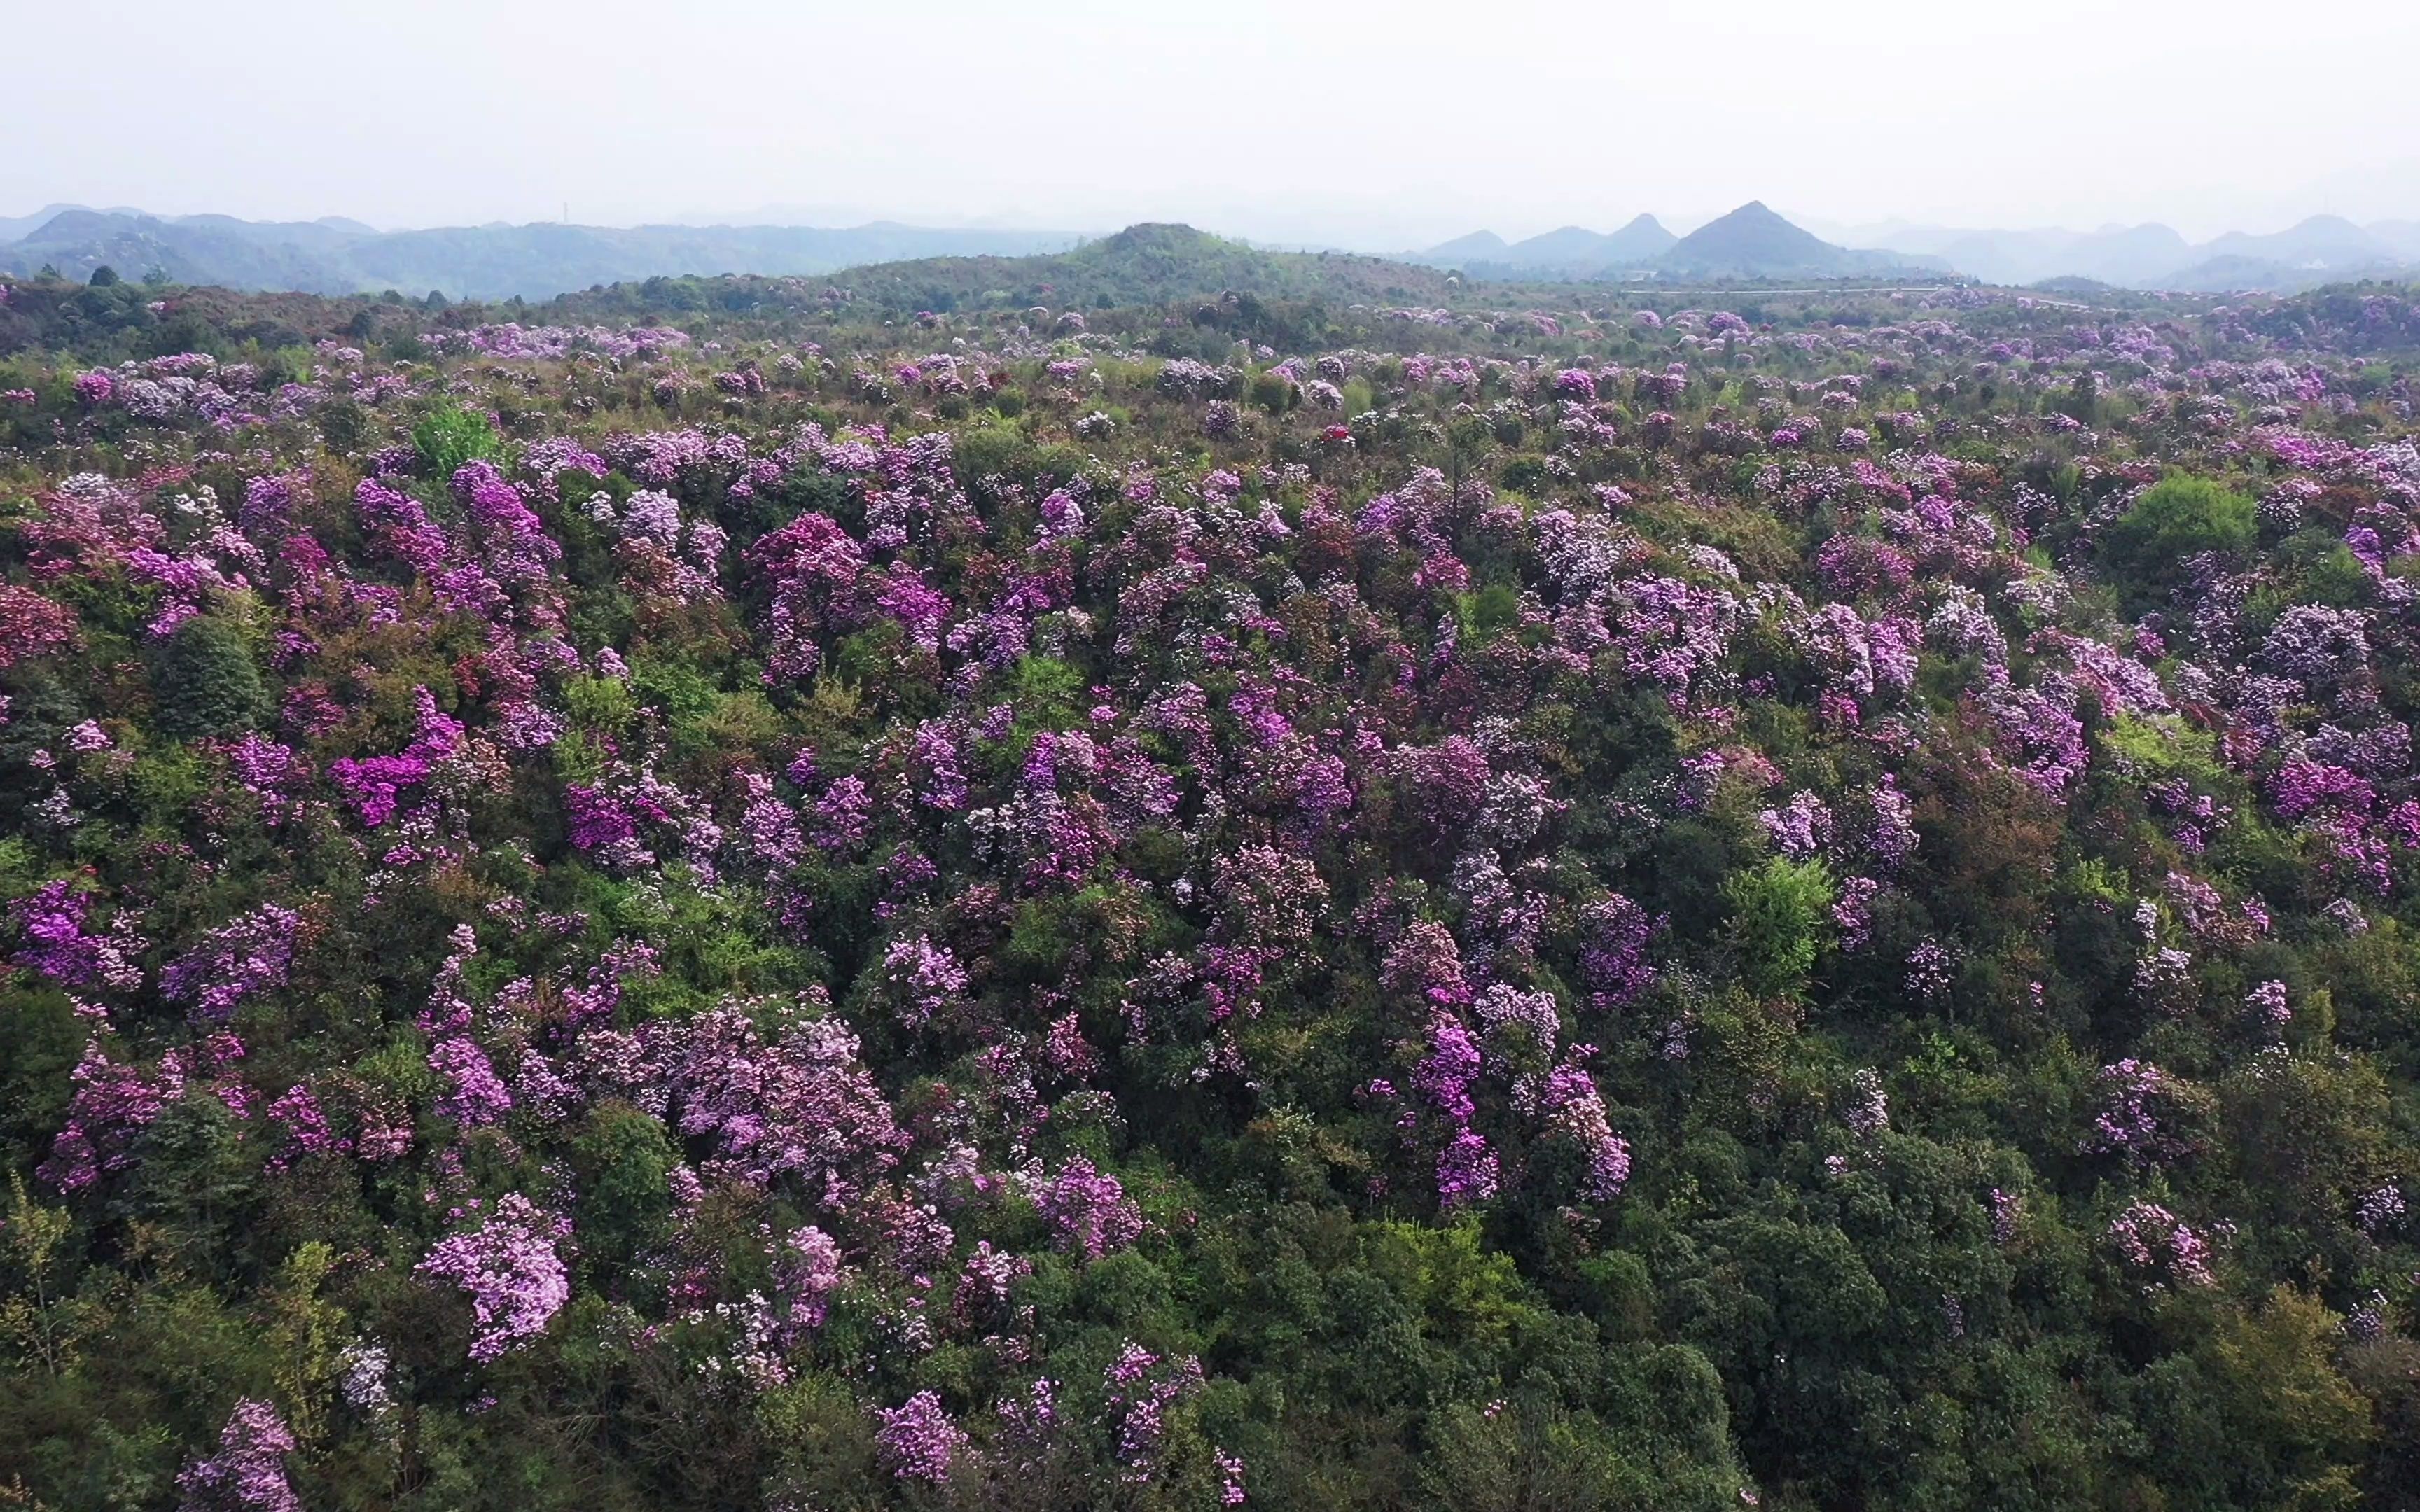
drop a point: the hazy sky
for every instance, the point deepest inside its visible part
(1381, 125)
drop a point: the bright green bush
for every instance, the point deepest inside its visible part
(2177, 518)
(1778, 919)
(450, 437)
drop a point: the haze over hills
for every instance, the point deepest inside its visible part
(1755, 241)
(338, 255)
(906, 267)
(1568, 251)
(2320, 249)
(1750, 243)
(16, 227)
(1150, 265)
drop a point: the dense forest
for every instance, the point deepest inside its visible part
(1052, 885)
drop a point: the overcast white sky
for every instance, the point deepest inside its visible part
(1379, 124)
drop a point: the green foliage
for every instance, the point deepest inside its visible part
(2177, 517)
(603, 704)
(994, 451)
(38, 1313)
(1273, 393)
(1535, 1456)
(623, 1159)
(40, 1041)
(204, 680)
(195, 1181)
(2257, 1415)
(1048, 688)
(1779, 919)
(451, 436)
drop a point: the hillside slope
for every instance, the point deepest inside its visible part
(1755, 242)
(1150, 264)
(533, 261)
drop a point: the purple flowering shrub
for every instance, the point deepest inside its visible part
(510, 1265)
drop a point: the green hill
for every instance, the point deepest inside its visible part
(1150, 264)
(487, 262)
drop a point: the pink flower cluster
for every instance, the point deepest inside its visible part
(248, 1472)
(510, 1263)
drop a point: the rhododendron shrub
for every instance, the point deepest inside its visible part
(1090, 1210)
(248, 1472)
(918, 1440)
(510, 1264)
(899, 892)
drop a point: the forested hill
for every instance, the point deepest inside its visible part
(1144, 266)
(899, 267)
(1808, 902)
(493, 262)
(1294, 302)
(1141, 265)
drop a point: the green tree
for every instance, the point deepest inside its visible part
(622, 1158)
(1779, 912)
(2258, 1415)
(204, 683)
(2177, 518)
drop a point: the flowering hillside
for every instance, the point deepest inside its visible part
(1234, 903)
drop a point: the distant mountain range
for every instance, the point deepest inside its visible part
(1751, 243)
(1755, 242)
(337, 256)
(1571, 249)
(2321, 249)
(1159, 263)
